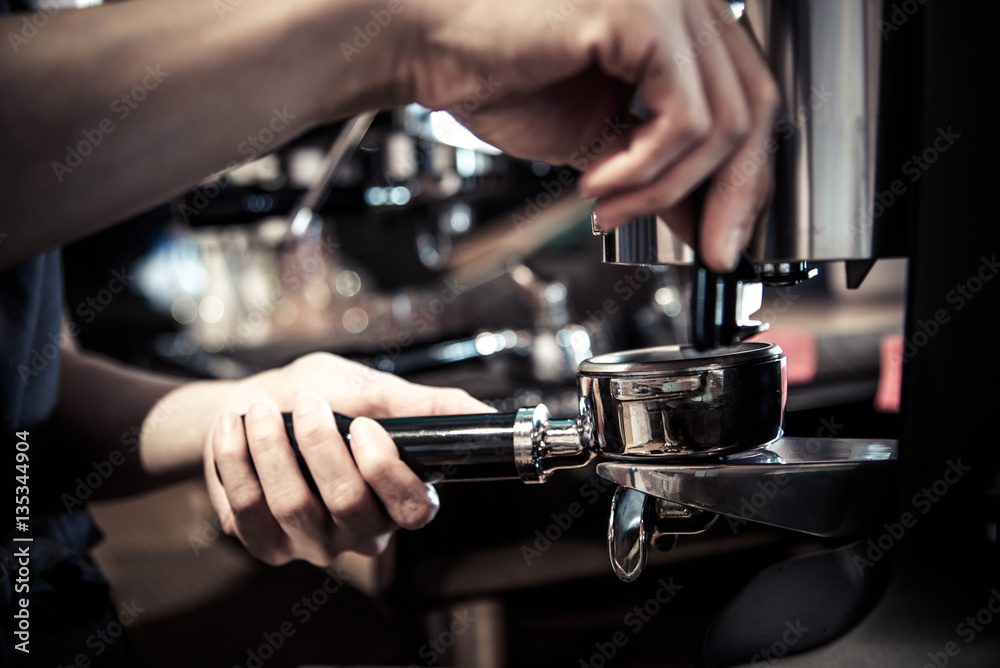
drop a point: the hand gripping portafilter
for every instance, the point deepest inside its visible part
(655, 404)
(687, 435)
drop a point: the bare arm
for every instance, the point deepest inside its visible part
(152, 97)
(144, 430)
(151, 428)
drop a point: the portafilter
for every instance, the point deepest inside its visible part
(669, 403)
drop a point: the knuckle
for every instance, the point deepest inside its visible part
(311, 361)
(380, 472)
(347, 499)
(311, 431)
(450, 399)
(734, 126)
(322, 558)
(372, 546)
(270, 557)
(664, 198)
(228, 524)
(228, 451)
(246, 503)
(694, 126)
(455, 395)
(769, 98)
(298, 512)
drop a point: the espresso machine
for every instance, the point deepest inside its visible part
(866, 88)
(692, 432)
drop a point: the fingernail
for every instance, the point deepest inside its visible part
(595, 225)
(604, 223)
(361, 432)
(432, 495)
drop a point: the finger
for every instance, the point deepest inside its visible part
(300, 515)
(739, 191)
(410, 502)
(216, 493)
(391, 396)
(352, 505)
(361, 390)
(680, 220)
(731, 123)
(679, 120)
(254, 524)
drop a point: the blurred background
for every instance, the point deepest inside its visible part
(429, 254)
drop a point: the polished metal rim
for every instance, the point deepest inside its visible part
(678, 358)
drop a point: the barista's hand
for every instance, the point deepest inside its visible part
(545, 80)
(365, 499)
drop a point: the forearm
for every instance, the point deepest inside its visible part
(215, 88)
(150, 428)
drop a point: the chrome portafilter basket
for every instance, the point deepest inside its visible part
(684, 433)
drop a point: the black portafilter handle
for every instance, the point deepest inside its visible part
(441, 448)
(521, 445)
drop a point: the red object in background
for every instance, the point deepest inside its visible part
(890, 377)
(800, 352)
